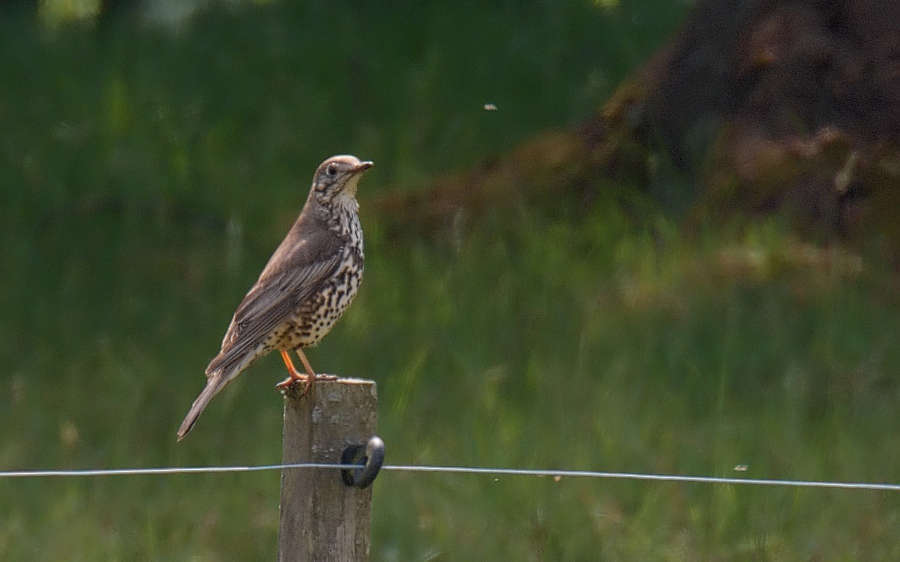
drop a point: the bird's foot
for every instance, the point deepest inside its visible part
(294, 387)
(291, 381)
(290, 384)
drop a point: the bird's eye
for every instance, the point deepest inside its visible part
(331, 170)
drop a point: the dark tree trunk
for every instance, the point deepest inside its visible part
(771, 106)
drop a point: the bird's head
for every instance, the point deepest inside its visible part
(337, 178)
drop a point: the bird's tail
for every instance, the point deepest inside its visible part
(221, 371)
(214, 384)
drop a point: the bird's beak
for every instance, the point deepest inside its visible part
(363, 166)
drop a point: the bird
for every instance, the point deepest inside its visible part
(307, 284)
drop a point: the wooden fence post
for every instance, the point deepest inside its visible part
(321, 517)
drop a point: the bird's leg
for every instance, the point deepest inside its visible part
(295, 375)
(309, 370)
(310, 374)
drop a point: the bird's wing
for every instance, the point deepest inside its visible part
(271, 301)
(305, 258)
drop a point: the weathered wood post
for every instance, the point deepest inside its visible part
(321, 517)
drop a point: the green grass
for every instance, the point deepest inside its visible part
(149, 178)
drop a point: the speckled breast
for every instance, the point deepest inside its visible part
(317, 315)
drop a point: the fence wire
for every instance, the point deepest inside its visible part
(456, 470)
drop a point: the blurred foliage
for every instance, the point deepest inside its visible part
(147, 173)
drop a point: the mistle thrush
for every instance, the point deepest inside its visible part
(308, 283)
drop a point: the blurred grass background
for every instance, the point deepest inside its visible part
(148, 170)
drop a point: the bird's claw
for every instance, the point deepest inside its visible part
(289, 384)
(291, 381)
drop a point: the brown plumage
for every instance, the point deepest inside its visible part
(305, 287)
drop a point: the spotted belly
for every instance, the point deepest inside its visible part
(315, 317)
